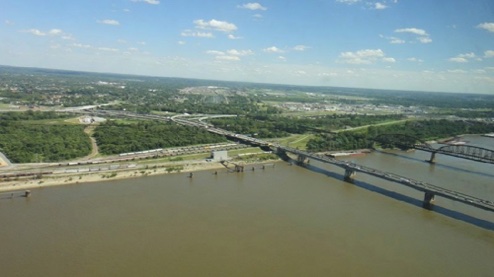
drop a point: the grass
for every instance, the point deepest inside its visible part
(296, 141)
(360, 128)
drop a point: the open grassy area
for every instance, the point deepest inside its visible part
(377, 124)
(296, 141)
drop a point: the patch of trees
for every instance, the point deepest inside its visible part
(24, 142)
(114, 137)
(31, 115)
(423, 130)
(272, 126)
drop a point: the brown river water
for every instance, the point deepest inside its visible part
(282, 221)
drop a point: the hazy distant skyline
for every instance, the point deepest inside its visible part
(390, 44)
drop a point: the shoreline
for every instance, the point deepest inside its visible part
(81, 178)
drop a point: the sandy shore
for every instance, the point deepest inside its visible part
(148, 170)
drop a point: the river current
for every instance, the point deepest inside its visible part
(284, 220)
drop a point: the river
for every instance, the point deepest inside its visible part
(281, 221)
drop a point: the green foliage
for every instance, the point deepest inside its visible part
(31, 115)
(114, 137)
(423, 130)
(26, 142)
(272, 126)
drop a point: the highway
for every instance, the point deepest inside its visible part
(352, 167)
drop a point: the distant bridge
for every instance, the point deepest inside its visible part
(462, 151)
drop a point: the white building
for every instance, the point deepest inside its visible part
(221, 155)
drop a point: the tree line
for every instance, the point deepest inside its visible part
(423, 130)
(117, 137)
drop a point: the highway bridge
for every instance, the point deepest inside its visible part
(430, 191)
(351, 169)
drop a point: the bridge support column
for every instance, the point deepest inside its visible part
(432, 160)
(239, 168)
(429, 197)
(301, 159)
(350, 174)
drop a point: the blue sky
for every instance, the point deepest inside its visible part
(440, 45)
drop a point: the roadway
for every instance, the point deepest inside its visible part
(349, 167)
(352, 167)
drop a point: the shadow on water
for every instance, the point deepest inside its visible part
(402, 156)
(438, 164)
(407, 199)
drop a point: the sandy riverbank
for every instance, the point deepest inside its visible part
(77, 178)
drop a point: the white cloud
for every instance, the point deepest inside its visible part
(463, 58)
(300, 47)
(109, 22)
(52, 32)
(235, 52)
(215, 25)
(457, 71)
(273, 49)
(282, 58)
(413, 59)
(152, 2)
(415, 31)
(252, 6)
(467, 55)
(228, 58)
(349, 2)
(214, 52)
(489, 54)
(367, 56)
(380, 6)
(8, 22)
(55, 32)
(423, 36)
(229, 55)
(458, 60)
(189, 33)
(257, 15)
(424, 39)
(393, 40)
(389, 60)
(108, 49)
(79, 45)
(231, 36)
(488, 26)
(181, 42)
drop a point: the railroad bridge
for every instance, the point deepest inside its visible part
(462, 151)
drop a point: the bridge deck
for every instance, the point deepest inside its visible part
(415, 184)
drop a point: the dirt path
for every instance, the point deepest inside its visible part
(94, 146)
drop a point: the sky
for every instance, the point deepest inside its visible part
(425, 45)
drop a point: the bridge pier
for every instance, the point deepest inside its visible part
(432, 160)
(350, 174)
(429, 197)
(239, 168)
(301, 159)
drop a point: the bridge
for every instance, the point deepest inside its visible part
(350, 169)
(430, 191)
(462, 151)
